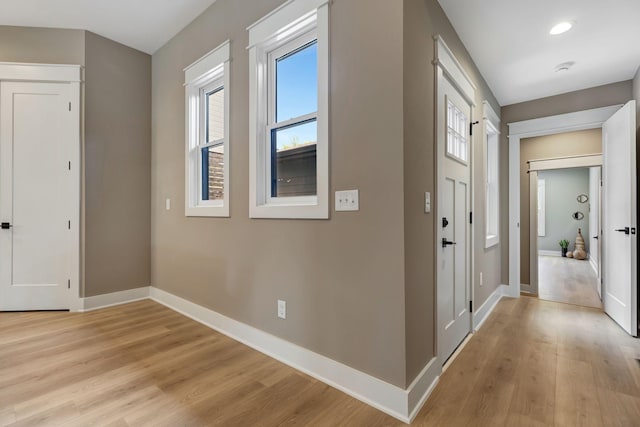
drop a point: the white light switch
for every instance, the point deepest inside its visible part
(167, 204)
(348, 200)
(427, 202)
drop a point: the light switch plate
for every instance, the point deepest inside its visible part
(167, 204)
(427, 202)
(348, 200)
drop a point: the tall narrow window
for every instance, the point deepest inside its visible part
(492, 185)
(207, 148)
(289, 106)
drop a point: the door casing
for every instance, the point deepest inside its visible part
(71, 74)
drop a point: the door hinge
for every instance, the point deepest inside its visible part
(471, 306)
(470, 217)
(69, 164)
(69, 224)
(69, 284)
(69, 106)
(471, 125)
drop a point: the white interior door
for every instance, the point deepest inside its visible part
(37, 195)
(619, 238)
(454, 207)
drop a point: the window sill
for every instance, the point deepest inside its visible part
(290, 211)
(491, 241)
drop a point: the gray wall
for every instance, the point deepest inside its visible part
(422, 20)
(117, 166)
(342, 278)
(116, 149)
(601, 96)
(544, 147)
(562, 187)
(41, 45)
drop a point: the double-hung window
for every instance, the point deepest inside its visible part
(207, 134)
(492, 184)
(289, 165)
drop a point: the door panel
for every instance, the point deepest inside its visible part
(619, 238)
(36, 192)
(454, 202)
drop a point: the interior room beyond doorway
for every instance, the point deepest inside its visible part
(568, 223)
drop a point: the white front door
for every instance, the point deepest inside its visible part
(454, 207)
(37, 135)
(619, 232)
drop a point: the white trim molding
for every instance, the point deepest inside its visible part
(395, 401)
(543, 252)
(446, 60)
(580, 120)
(482, 313)
(115, 298)
(14, 71)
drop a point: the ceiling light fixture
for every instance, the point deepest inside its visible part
(560, 28)
(565, 66)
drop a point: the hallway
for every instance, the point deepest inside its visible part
(541, 363)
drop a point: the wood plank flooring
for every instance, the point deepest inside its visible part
(532, 363)
(567, 280)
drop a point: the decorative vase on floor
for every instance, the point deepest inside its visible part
(579, 252)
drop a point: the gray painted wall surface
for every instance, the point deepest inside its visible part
(342, 278)
(562, 187)
(117, 158)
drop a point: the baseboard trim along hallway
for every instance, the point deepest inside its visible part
(401, 404)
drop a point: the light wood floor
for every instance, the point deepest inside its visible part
(532, 363)
(567, 280)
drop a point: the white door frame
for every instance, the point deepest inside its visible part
(447, 65)
(71, 74)
(580, 120)
(535, 166)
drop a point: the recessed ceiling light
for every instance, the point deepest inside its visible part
(565, 66)
(560, 28)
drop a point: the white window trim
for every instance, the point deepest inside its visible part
(209, 72)
(542, 210)
(284, 24)
(492, 126)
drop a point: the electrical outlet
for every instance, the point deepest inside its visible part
(481, 283)
(282, 309)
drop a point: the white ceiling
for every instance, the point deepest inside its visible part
(510, 43)
(145, 25)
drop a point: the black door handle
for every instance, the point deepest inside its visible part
(595, 237)
(5, 226)
(446, 242)
(624, 230)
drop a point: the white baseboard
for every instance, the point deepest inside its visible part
(395, 401)
(549, 253)
(482, 313)
(115, 298)
(421, 388)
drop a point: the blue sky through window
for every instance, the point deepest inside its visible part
(297, 93)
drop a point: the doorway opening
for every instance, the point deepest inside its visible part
(568, 212)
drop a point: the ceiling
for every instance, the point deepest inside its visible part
(145, 25)
(510, 43)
